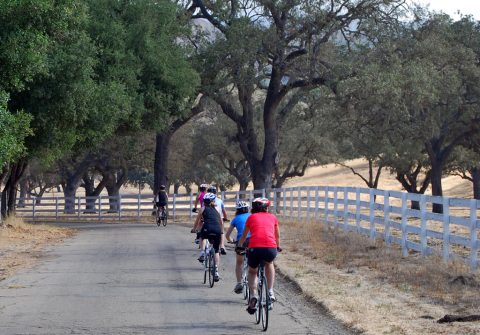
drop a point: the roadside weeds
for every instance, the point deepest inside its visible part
(372, 288)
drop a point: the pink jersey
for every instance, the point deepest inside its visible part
(200, 198)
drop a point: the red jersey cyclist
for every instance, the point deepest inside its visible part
(263, 246)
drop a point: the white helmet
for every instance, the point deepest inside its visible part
(242, 204)
(209, 198)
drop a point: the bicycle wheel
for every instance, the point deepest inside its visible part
(258, 312)
(265, 303)
(211, 272)
(246, 290)
(164, 218)
(206, 267)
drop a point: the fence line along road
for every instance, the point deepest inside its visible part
(400, 218)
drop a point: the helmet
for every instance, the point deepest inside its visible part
(212, 189)
(209, 198)
(241, 204)
(162, 187)
(241, 207)
(260, 205)
(203, 187)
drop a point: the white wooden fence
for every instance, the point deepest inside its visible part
(372, 212)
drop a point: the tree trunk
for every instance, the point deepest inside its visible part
(9, 194)
(113, 182)
(72, 182)
(436, 180)
(24, 190)
(476, 182)
(160, 167)
(176, 187)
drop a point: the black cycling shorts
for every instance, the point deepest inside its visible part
(214, 239)
(259, 255)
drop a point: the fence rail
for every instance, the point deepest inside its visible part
(396, 217)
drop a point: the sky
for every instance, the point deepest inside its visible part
(452, 6)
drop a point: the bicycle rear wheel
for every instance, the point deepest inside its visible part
(211, 262)
(246, 290)
(258, 312)
(264, 303)
(164, 218)
(206, 268)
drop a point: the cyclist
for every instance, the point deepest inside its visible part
(199, 198)
(241, 216)
(210, 225)
(161, 199)
(263, 246)
(220, 207)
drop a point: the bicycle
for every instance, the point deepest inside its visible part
(161, 216)
(246, 290)
(264, 303)
(209, 264)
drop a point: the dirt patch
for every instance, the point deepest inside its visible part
(21, 244)
(370, 287)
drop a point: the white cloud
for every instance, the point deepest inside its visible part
(451, 7)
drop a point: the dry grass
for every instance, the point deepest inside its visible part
(21, 243)
(371, 287)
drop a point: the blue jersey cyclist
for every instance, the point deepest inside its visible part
(241, 216)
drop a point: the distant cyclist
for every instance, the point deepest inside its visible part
(238, 222)
(199, 198)
(210, 226)
(220, 207)
(263, 246)
(161, 199)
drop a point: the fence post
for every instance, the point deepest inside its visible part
(284, 202)
(357, 204)
(335, 206)
(56, 208)
(275, 200)
(372, 213)
(191, 205)
(308, 203)
(33, 207)
(327, 197)
(174, 206)
(299, 202)
(404, 225)
(345, 209)
(291, 203)
(317, 204)
(78, 206)
(99, 207)
(386, 218)
(250, 196)
(263, 193)
(119, 205)
(138, 204)
(473, 235)
(446, 229)
(423, 224)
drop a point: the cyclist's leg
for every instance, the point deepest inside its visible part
(253, 262)
(269, 256)
(239, 268)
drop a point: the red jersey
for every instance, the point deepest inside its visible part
(262, 230)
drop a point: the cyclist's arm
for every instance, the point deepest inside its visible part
(277, 235)
(195, 204)
(198, 221)
(229, 231)
(224, 213)
(244, 235)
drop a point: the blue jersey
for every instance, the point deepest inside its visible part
(239, 223)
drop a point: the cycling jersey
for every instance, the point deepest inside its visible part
(239, 223)
(200, 198)
(161, 198)
(219, 207)
(262, 230)
(211, 221)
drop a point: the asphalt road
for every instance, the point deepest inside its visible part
(140, 279)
